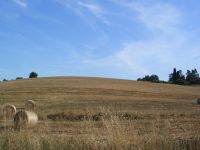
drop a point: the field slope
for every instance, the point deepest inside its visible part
(90, 93)
(143, 115)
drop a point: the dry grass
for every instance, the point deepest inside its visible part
(97, 113)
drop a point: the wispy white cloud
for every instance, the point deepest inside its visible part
(82, 8)
(163, 17)
(147, 55)
(154, 15)
(138, 58)
(163, 45)
(95, 9)
(21, 3)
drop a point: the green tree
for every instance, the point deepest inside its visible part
(173, 76)
(177, 77)
(152, 78)
(33, 75)
(192, 77)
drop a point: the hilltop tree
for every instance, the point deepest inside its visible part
(177, 77)
(152, 78)
(33, 75)
(192, 77)
(174, 75)
(4, 80)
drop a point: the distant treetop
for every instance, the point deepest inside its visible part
(176, 77)
(33, 75)
(151, 78)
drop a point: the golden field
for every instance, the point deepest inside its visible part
(133, 115)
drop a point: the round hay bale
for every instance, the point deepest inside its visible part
(198, 101)
(30, 105)
(9, 111)
(25, 120)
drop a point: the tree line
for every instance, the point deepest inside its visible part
(176, 77)
(31, 75)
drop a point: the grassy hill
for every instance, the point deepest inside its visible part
(140, 113)
(92, 93)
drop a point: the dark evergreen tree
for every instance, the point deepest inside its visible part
(174, 75)
(192, 77)
(177, 77)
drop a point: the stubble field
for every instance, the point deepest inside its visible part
(100, 113)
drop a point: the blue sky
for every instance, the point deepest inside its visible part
(105, 38)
